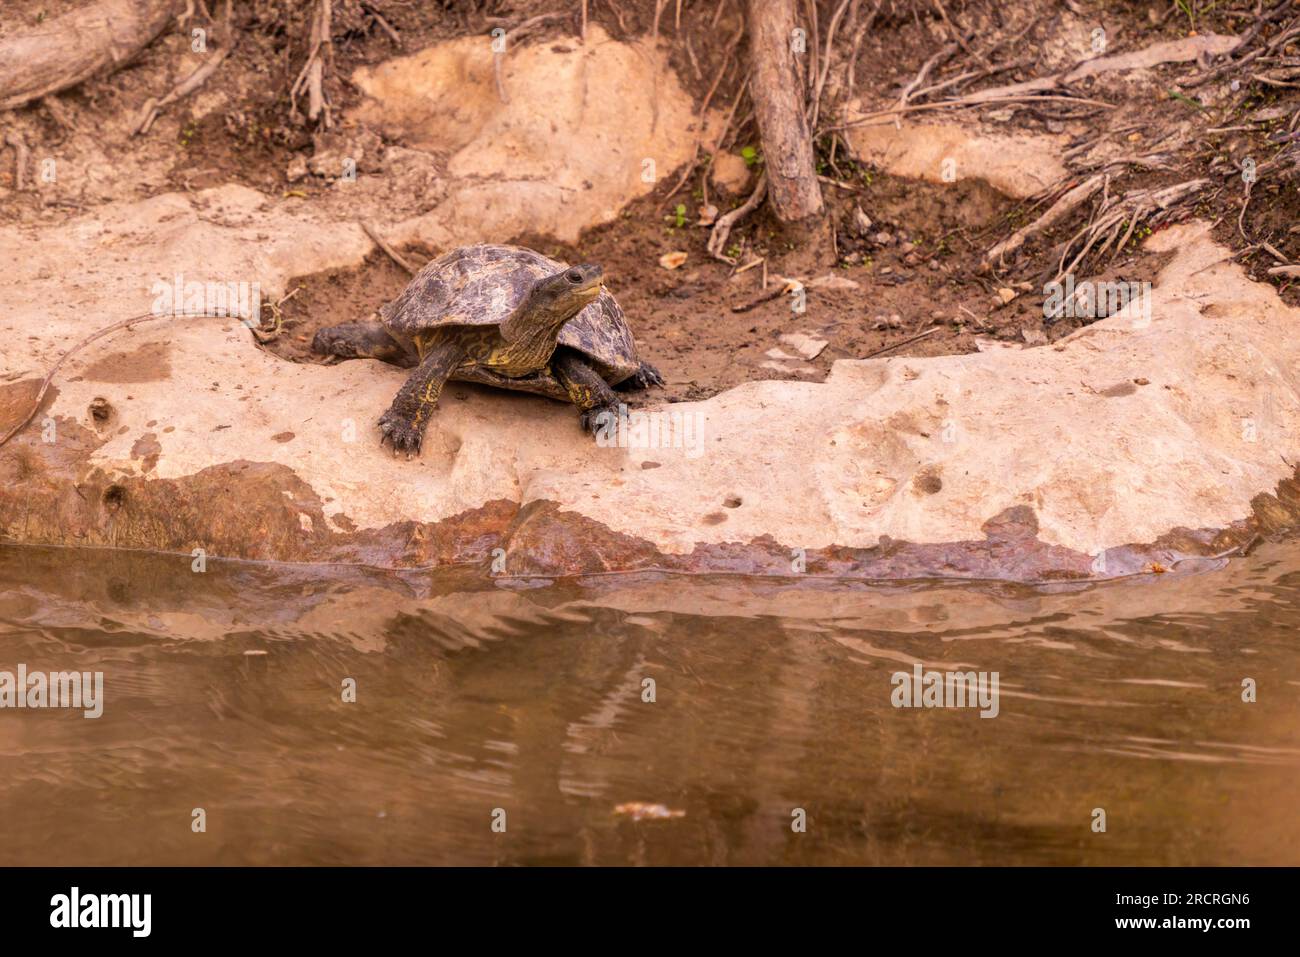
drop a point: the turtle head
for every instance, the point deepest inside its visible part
(557, 299)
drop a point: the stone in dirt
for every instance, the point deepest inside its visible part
(731, 173)
(807, 346)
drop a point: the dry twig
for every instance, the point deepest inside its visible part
(21, 154)
(77, 347)
(1116, 217)
(153, 107)
(722, 228)
(383, 245)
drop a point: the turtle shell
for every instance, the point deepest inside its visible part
(482, 285)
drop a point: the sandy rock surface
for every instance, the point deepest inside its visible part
(569, 136)
(1015, 164)
(1147, 436)
(1128, 429)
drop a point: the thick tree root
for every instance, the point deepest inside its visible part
(56, 54)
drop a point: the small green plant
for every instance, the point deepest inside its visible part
(1192, 9)
(1139, 234)
(677, 218)
(1184, 98)
(733, 251)
(750, 155)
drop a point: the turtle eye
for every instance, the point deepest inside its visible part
(573, 276)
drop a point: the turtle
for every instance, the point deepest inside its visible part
(503, 316)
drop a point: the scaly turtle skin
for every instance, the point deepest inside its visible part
(503, 316)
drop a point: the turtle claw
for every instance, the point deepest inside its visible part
(643, 378)
(649, 375)
(594, 420)
(400, 434)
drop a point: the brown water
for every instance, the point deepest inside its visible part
(223, 691)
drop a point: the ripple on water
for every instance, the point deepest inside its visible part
(712, 707)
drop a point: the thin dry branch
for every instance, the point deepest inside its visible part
(1115, 215)
(153, 107)
(21, 154)
(722, 228)
(1069, 201)
(77, 347)
(388, 250)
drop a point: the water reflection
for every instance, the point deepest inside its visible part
(224, 691)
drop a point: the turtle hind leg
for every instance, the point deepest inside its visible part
(404, 423)
(643, 378)
(585, 387)
(360, 340)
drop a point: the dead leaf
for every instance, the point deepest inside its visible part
(641, 811)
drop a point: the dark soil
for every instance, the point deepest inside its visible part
(684, 321)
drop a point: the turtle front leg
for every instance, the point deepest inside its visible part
(359, 340)
(406, 419)
(587, 390)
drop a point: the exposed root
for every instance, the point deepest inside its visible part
(1071, 200)
(1056, 87)
(815, 108)
(722, 228)
(21, 154)
(60, 116)
(63, 51)
(704, 106)
(514, 35)
(384, 25)
(1120, 217)
(312, 76)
